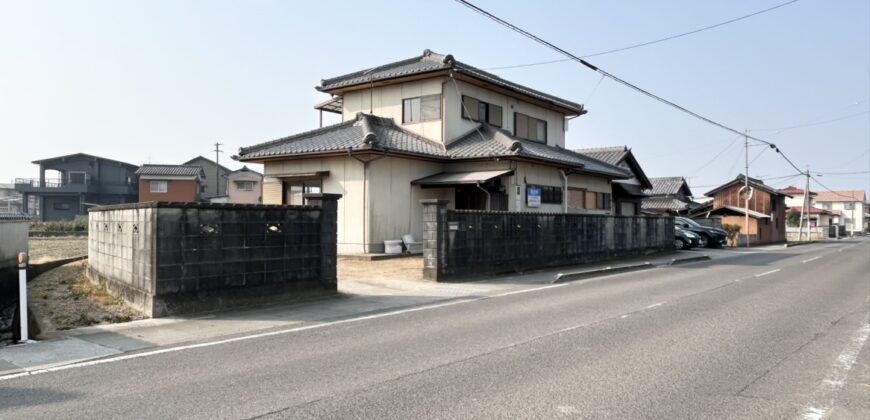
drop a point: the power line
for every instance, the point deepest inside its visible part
(621, 81)
(718, 154)
(842, 173)
(780, 130)
(830, 190)
(644, 44)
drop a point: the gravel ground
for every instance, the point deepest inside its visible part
(405, 269)
(64, 298)
(46, 249)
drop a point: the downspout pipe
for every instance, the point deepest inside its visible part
(488, 205)
(564, 191)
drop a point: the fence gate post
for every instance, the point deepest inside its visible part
(328, 204)
(434, 237)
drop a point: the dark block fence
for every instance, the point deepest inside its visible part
(173, 258)
(461, 243)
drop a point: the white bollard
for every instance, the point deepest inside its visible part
(22, 295)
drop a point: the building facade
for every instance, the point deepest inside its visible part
(668, 195)
(851, 205)
(213, 176)
(765, 210)
(68, 185)
(244, 186)
(433, 127)
(181, 183)
(627, 193)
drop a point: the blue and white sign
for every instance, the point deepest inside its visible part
(533, 196)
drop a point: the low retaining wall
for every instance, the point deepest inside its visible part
(462, 243)
(13, 239)
(173, 258)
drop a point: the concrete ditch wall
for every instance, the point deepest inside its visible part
(460, 243)
(174, 258)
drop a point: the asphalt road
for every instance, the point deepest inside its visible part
(779, 334)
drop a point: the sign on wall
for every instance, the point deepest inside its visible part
(533, 196)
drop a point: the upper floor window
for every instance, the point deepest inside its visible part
(848, 206)
(245, 185)
(159, 186)
(530, 128)
(476, 110)
(77, 178)
(421, 108)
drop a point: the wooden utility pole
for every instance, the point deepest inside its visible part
(805, 209)
(217, 168)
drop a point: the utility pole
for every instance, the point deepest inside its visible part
(746, 193)
(805, 210)
(217, 168)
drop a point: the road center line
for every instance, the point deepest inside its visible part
(811, 259)
(768, 272)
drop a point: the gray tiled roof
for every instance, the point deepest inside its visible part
(9, 216)
(666, 185)
(753, 182)
(612, 155)
(666, 203)
(366, 132)
(489, 141)
(170, 170)
(430, 62)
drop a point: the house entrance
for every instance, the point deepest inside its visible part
(477, 196)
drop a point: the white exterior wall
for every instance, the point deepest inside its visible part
(386, 101)
(345, 178)
(846, 216)
(456, 126)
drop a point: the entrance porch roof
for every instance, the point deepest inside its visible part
(445, 179)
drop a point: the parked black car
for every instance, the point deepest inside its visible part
(683, 239)
(715, 238)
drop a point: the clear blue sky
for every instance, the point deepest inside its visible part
(161, 81)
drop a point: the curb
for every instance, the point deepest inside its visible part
(579, 275)
(791, 244)
(677, 261)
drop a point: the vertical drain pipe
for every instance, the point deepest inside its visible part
(488, 205)
(564, 191)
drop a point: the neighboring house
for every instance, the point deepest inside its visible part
(817, 216)
(851, 205)
(244, 186)
(76, 182)
(668, 195)
(10, 200)
(214, 177)
(431, 127)
(627, 193)
(170, 183)
(766, 210)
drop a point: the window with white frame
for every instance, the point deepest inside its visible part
(159, 186)
(421, 108)
(245, 185)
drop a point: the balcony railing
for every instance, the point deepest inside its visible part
(35, 182)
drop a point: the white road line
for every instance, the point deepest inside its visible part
(825, 393)
(267, 334)
(655, 305)
(768, 272)
(811, 259)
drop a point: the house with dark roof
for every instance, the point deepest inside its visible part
(214, 176)
(183, 183)
(433, 127)
(668, 195)
(627, 193)
(762, 216)
(68, 185)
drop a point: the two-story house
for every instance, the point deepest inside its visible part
(68, 185)
(244, 186)
(813, 215)
(765, 210)
(851, 205)
(433, 127)
(628, 194)
(214, 176)
(182, 183)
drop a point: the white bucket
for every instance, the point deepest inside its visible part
(393, 247)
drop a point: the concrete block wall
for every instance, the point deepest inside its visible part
(172, 258)
(462, 243)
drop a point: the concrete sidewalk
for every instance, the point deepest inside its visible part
(354, 299)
